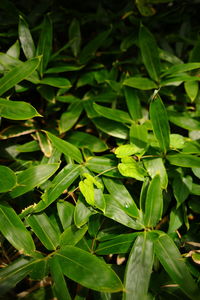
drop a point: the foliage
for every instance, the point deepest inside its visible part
(100, 130)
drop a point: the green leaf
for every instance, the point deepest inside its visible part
(140, 83)
(60, 286)
(87, 270)
(92, 195)
(139, 137)
(44, 144)
(177, 141)
(90, 49)
(44, 229)
(184, 160)
(112, 128)
(126, 150)
(14, 230)
(82, 213)
(14, 50)
(14, 273)
(64, 68)
(75, 36)
(176, 220)
(139, 268)
(17, 74)
(65, 213)
(104, 164)
(191, 88)
(116, 213)
(182, 187)
(159, 119)
(130, 168)
(85, 140)
(45, 43)
(70, 117)
(65, 147)
(60, 183)
(119, 193)
(28, 147)
(180, 68)
(33, 177)
(8, 179)
(149, 51)
(58, 82)
(119, 244)
(156, 166)
(113, 114)
(154, 203)
(133, 103)
(17, 110)
(72, 235)
(172, 261)
(26, 39)
(183, 120)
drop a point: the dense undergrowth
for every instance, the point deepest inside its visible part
(99, 150)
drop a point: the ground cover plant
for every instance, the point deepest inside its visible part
(100, 166)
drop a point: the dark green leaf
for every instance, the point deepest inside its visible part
(181, 188)
(66, 213)
(26, 39)
(14, 230)
(60, 286)
(172, 261)
(183, 120)
(32, 177)
(14, 273)
(156, 166)
(75, 36)
(118, 192)
(149, 51)
(116, 213)
(184, 160)
(69, 118)
(17, 110)
(87, 270)
(44, 230)
(7, 179)
(140, 83)
(72, 235)
(120, 244)
(65, 147)
(180, 68)
(159, 119)
(59, 184)
(139, 268)
(133, 103)
(18, 73)
(58, 82)
(45, 43)
(112, 128)
(154, 202)
(112, 114)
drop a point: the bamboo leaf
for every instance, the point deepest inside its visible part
(160, 123)
(18, 73)
(45, 43)
(32, 177)
(14, 230)
(119, 192)
(149, 51)
(59, 184)
(65, 147)
(44, 230)
(8, 179)
(17, 110)
(87, 270)
(184, 160)
(60, 286)
(139, 268)
(154, 203)
(140, 83)
(172, 261)
(26, 39)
